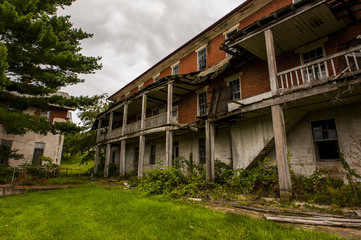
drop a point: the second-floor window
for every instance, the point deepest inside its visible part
(236, 89)
(316, 71)
(202, 59)
(156, 78)
(45, 114)
(175, 69)
(202, 103)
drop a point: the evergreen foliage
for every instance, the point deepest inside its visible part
(39, 54)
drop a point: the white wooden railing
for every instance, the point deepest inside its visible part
(331, 67)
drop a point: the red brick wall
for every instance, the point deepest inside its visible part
(135, 90)
(148, 82)
(188, 64)
(187, 108)
(165, 72)
(254, 79)
(58, 113)
(214, 53)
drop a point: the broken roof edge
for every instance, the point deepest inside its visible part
(184, 45)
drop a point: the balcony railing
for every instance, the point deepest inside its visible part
(332, 67)
(150, 122)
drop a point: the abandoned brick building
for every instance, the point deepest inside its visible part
(271, 78)
(33, 145)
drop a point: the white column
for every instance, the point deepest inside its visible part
(169, 134)
(125, 116)
(141, 155)
(107, 160)
(122, 157)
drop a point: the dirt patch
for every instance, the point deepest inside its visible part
(7, 190)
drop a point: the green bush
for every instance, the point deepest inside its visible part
(6, 174)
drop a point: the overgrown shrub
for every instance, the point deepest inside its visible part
(6, 174)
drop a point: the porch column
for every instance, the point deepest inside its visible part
(111, 116)
(96, 160)
(107, 160)
(122, 157)
(142, 137)
(123, 143)
(169, 134)
(284, 177)
(271, 59)
(209, 151)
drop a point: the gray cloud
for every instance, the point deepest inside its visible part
(131, 36)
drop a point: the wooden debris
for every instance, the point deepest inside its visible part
(324, 221)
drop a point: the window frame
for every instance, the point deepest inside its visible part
(226, 35)
(317, 142)
(156, 78)
(203, 107)
(39, 147)
(229, 83)
(199, 51)
(175, 66)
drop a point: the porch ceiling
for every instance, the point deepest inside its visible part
(293, 32)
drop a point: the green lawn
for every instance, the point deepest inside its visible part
(73, 163)
(95, 212)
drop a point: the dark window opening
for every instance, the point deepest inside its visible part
(202, 150)
(325, 139)
(175, 152)
(315, 71)
(152, 154)
(236, 89)
(202, 103)
(5, 151)
(136, 158)
(202, 59)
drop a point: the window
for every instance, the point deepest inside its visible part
(175, 69)
(236, 89)
(229, 34)
(5, 151)
(315, 71)
(175, 152)
(152, 154)
(136, 158)
(202, 103)
(156, 78)
(202, 150)
(140, 87)
(202, 59)
(38, 151)
(325, 139)
(45, 114)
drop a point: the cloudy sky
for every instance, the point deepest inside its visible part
(133, 35)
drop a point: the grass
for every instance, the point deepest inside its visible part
(74, 162)
(96, 212)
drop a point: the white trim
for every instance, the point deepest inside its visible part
(204, 46)
(230, 30)
(175, 64)
(156, 76)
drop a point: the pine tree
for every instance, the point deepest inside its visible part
(39, 54)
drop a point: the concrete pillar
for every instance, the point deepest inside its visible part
(284, 177)
(141, 155)
(122, 170)
(168, 148)
(144, 111)
(209, 151)
(169, 102)
(107, 160)
(271, 59)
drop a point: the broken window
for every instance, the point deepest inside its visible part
(45, 114)
(316, 71)
(202, 103)
(236, 89)
(202, 150)
(325, 139)
(38, 151)
(202, 59)
(152, 154)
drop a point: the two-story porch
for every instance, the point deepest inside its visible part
(312, 55)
